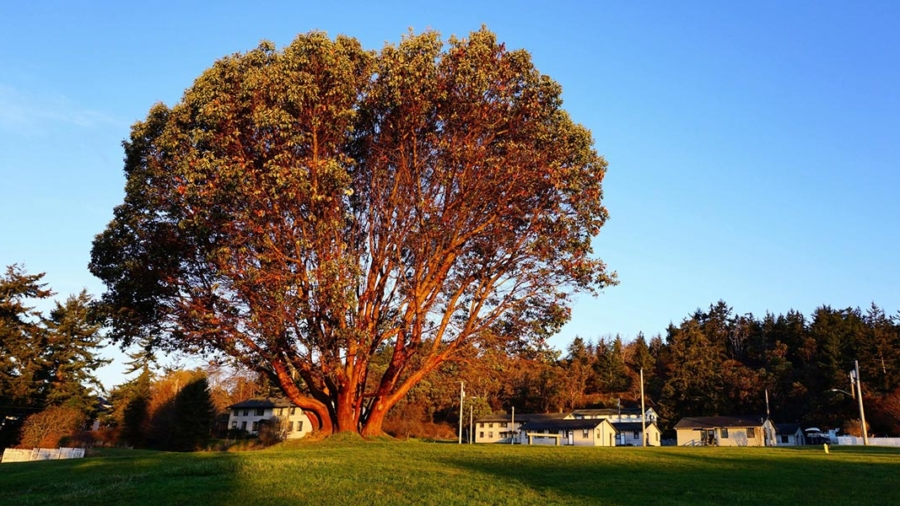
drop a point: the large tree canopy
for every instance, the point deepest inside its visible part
(306, 209)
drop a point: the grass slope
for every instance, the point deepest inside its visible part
(343, 471)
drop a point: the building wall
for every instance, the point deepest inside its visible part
(494, 432)
(738, 436)
(295, 422)
(633, 438)
(689, 437)
(730, 436)
(789, 439)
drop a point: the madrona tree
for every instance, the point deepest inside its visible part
(307, 209)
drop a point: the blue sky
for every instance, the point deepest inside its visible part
(753, 147)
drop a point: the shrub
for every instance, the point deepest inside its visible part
(47, 428)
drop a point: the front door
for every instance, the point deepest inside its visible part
(710, 437)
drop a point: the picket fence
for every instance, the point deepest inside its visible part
(873, 441)
(15, 455)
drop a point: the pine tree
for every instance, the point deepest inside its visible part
(193, 416)
(22, 339)
(73, 339)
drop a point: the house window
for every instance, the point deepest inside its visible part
(657, 437)
(255, 426)
(243, 425)
(278, 412)
(260, 411)
(246, 412)
(490, 425)
(585, 432)
(293, 410)
(724, 433)
(751, 432)
(237, 412)
(481, 435)
(234, 424)
(490, 435)
(290, 427)
(637, 434)
(784, 439)
(481, 425)
(504, 425)
(300, 426)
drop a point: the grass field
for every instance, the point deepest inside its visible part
(344, 471)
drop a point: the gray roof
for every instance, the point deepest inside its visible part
(709, 422)
(268, 402)
(578, 423)
(787, 428)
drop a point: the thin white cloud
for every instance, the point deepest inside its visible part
(29, 111)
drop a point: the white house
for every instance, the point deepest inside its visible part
(569, 432)
(789, 434)
(248, 414)
(725, 431)
(629, 433)
(504, 428)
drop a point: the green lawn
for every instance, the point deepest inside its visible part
(343, 471)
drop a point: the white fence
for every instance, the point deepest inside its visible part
(873, 441)
(14, 455)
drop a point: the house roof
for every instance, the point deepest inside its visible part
(787, 428)
(267, 402)
(522, 417)
(708, 422)
(571, 424)
(630, 426)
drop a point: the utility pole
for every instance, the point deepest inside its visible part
(471, 424)
(643, 413)
(854, 376)
(512, 427)
(462, 398)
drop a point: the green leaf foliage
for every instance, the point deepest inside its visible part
(302, 209)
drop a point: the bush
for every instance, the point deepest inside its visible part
(270, 432)
(47, 428)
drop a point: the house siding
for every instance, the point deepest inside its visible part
(728, 436)
(299, 422)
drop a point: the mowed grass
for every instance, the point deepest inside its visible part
(347, 471)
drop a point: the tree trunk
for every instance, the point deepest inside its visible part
(347, 418)
(375, 420)
(322, 420)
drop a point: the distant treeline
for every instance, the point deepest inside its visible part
(715, 362)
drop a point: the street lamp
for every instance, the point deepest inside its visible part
(856, 391)
(462, 401)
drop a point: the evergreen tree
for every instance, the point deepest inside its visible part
(610, 366)
(194, 413)
(22, 339)
(879, 351)
(694, 386)
(135, 396)
(72, 342)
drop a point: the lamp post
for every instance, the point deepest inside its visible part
(854, 378)
(856, 391)
(462, 398)
(643, 413)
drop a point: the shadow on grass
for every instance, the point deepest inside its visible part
(133, 477)
(698, 476)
